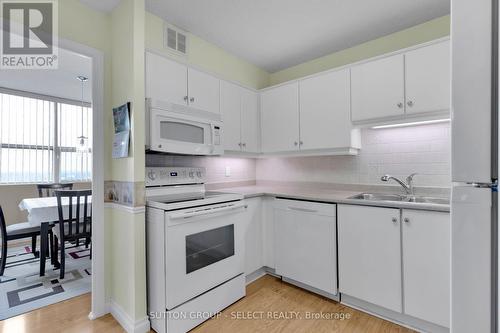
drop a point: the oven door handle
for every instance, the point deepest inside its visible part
(202, 212)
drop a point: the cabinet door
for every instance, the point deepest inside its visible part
(325, 119)
(377, 89)
(428, 80)
(280, 118)
(230, 105)
(250, 121)
(166, 80)
(203, 91)
(253, 235)
(370, 254)
(426, 262)
(305, 243)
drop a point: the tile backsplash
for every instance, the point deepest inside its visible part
(241, 169)
(424, 149)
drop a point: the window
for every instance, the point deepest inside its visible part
(38, 139)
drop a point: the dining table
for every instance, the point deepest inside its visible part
(44, 212)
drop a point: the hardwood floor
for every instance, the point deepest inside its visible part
(275, 298)
(267, 300)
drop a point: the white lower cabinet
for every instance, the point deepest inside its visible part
(426, 265)
(253, 235)
(370, 255)
(396, 259)
(305, 243)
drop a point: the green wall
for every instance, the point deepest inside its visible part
(127, 229)
(418, 34)
(120, 36)
(84, 25)
(207, 56)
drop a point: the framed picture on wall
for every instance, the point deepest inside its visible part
(121, 140)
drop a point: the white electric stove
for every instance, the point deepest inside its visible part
(195, 243)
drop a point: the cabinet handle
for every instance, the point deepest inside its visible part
(295, 143)
(406, 220)
(394, 219)
(185, 98)
(191, 99)
(239, 144)
(244, 144)
(410, 103)
(301, 143)
(400, 105)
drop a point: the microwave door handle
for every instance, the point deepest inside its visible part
(212, 127)
(203, 212)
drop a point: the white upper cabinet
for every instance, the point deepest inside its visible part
(166, 80)
(203, 91)
(173, 82)
(280, 118)
(230, 106)
(428, 78)
(413, 84)
(426, 265)
(378, 89)
(241, 116)
(250, 121)
(325, 111)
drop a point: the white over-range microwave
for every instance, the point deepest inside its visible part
(178, 129)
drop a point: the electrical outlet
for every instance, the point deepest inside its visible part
(228, 171)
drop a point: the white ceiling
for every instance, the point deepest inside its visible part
(60, 82)
(102, 5)
(276, 34)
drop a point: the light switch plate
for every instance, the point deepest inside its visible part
(228, 171)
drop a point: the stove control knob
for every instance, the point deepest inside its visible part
(151, 175)
(198, 173)
(191, 174)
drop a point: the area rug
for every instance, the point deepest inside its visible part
(23, 290)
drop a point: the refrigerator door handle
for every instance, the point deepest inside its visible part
(493, 186)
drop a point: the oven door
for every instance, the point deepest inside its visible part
(204, 249)
(172, 133)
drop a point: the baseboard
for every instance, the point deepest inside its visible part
(334, 297)
(255, 275)
(128, 324)
(392, 316)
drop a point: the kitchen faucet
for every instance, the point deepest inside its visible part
(407, 186)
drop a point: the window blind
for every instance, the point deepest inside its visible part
(38, 139)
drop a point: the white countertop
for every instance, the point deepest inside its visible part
(326, 195)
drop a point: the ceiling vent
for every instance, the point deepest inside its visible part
(175, 40)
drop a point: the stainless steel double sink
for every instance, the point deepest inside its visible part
(400, 198)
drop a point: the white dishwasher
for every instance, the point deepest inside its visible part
(305, 241)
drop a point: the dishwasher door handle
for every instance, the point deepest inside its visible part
(305, 210)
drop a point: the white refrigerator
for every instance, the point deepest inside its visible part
(474, 232)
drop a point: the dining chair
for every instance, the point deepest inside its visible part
(75, 222)
(13, 232)
(47, 190)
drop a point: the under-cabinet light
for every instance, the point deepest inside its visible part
(412, 123)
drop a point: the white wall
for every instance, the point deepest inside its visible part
(400, 151)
